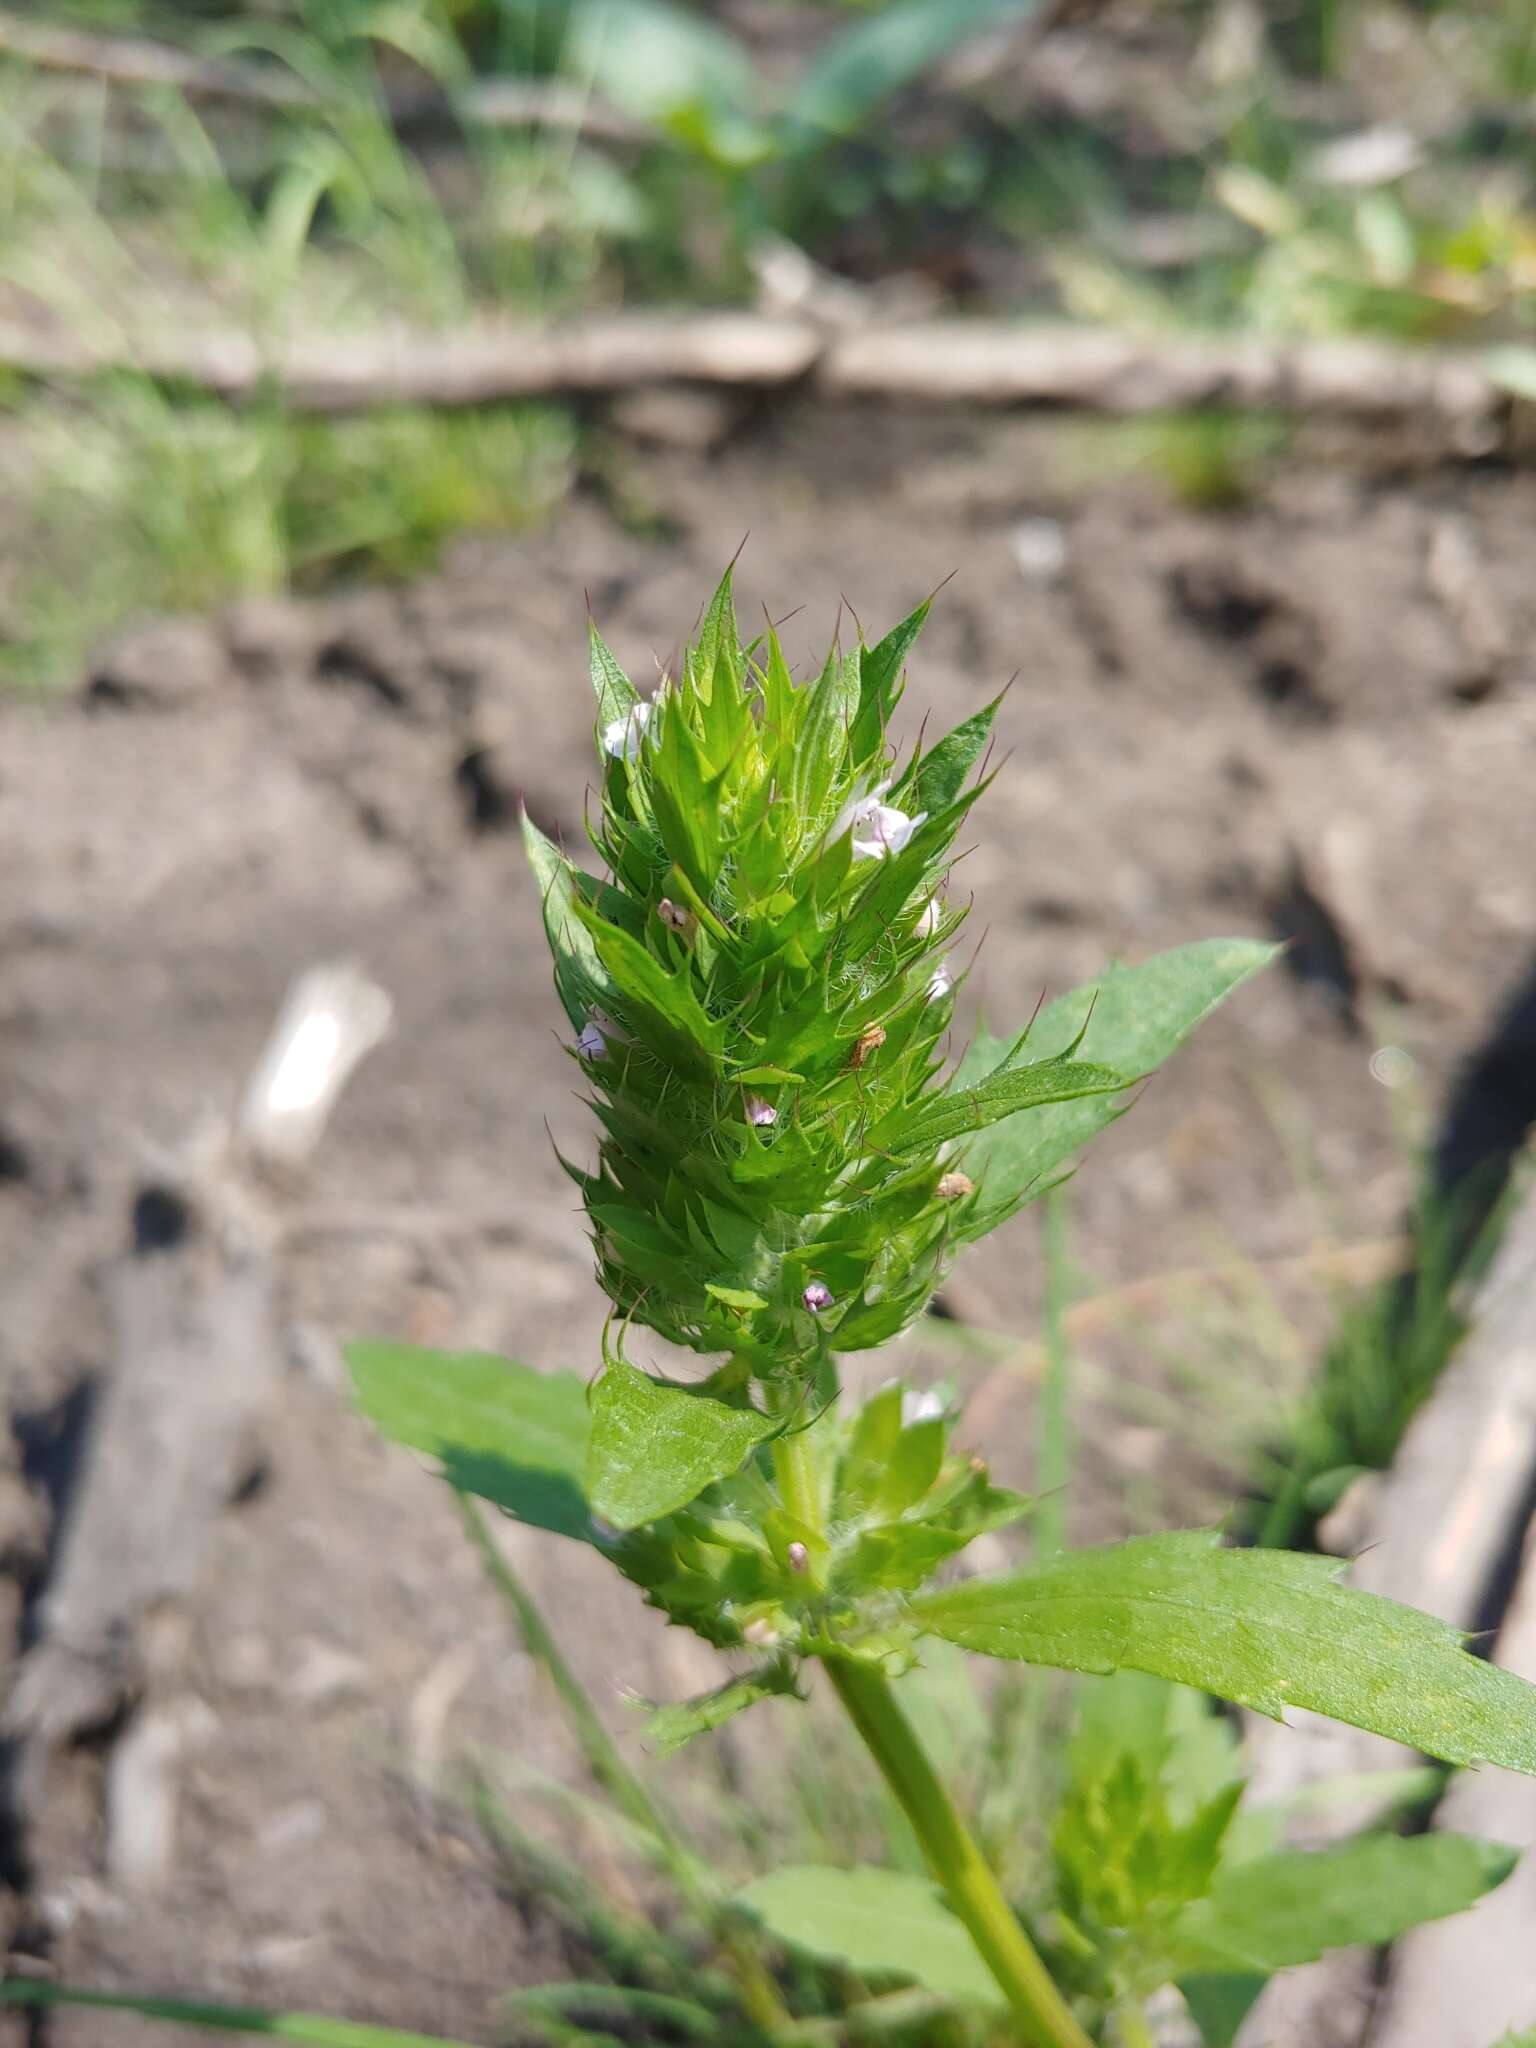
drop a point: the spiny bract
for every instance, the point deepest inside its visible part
(758, 994)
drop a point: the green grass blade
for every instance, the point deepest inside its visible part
(311, 2027)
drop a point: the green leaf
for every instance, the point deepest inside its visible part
(666, 64)
(1169, 1734)
(880, 670)
(616, 694)
(510, 1434)
(1266, 1628)
(1289, 1908)
(674, 1019)
(1136, 1017)
(311, 2027)
(735, 1297)
(867, 63)
(938, 778)
(822, 747)
(882, 1923)
(669, 1727)
(718, 642)
(656, 1446)
(1218, 2004)
(581, 979)
(913, 1465)
(998, 1096)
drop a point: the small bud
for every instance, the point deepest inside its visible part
(760, 1112)
(953, 1185)
(869, 1040)
(676, 917)
(621, 738)
(817, 1296)
(761, 1633)
(798, 1558)
(928, 922)
(940, 985)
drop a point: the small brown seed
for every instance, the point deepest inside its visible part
(953, 1185)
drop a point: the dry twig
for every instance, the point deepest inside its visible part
(951, 360)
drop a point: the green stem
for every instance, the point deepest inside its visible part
(953, 1857)
(1054, 1470)
(758, 1991)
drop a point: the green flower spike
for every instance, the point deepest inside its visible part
(759, 996)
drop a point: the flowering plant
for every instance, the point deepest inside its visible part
(759, 995)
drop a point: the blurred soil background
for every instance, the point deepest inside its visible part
(281, 669)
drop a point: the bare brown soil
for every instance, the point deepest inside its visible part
(1262, 720)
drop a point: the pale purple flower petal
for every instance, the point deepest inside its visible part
(878, 828)
(928, 923)
(817, 1296)
(940, 986)
(598, 1035)
(760, 1112)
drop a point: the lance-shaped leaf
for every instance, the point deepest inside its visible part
(1135, 1018)
(938, 776)
(882, 1923)
(1269, 1629)
(669, 1727)
(580, 976)
(514, 1436)
(999, 1095)
(718, 643)
(1278, 1911)
(656, 1446)
(616, 694)
(880, 670)
(822, 747)
(662, 1005)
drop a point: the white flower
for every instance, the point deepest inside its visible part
(940, 985)
(878, 828)
(928, 923)
(916, 1407)
(621, 738)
